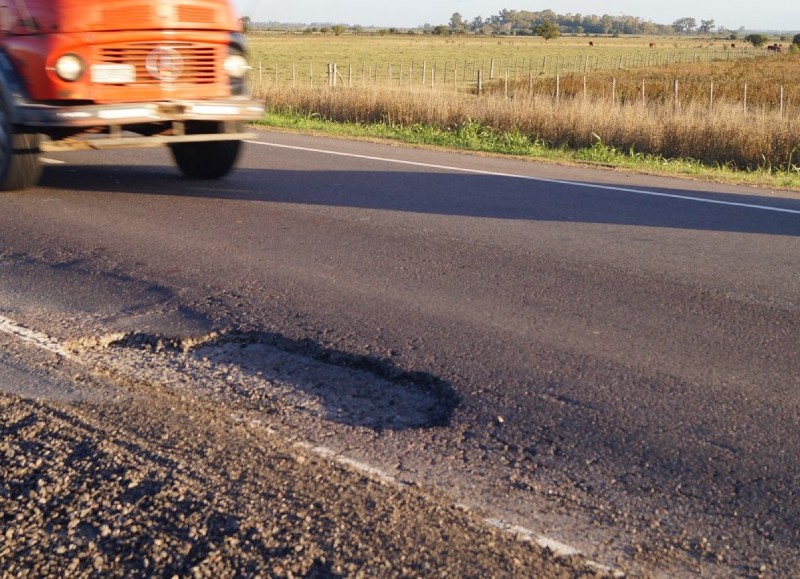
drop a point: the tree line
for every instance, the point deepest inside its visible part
(526, 22)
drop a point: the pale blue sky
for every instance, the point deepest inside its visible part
(776, 15)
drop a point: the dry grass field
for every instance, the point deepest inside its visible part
(727, 107)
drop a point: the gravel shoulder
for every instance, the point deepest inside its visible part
(150, 482)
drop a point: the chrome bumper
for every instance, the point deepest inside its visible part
(245, 109)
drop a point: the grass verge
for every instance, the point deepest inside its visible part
(473, 136)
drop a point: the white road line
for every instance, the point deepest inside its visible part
(538, 179)
(38, 339)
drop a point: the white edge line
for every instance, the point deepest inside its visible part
(529, 178)
(38, 339)
(45, 342)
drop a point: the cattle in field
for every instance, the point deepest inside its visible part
(652, 45)
(733, 45)
(774, 48)
(591, 43)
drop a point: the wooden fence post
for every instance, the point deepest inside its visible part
(711, 97)
(745, 97)
(675, 93)
(558, 88)
(480, 81)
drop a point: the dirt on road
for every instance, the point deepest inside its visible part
(145, 482)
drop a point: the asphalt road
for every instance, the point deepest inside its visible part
(606, 359)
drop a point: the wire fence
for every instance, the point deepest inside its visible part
(465, 73)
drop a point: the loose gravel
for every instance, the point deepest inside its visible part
(160, 483)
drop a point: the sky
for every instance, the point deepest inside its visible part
(777, 15)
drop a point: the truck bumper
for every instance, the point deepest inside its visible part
(120, 124)
(48, 116)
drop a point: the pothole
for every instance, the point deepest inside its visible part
(272, 374)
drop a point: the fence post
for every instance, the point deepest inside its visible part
(480, 81)
(491, 70)
(711, 97)
(675, 93)
(781, 101)
(558, 88)
(745, 97)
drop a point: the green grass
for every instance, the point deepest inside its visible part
(471, 136)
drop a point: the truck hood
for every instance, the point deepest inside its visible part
(46, 16)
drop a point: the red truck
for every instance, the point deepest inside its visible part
(83, 74)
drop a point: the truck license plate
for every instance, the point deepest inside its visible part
(113, 73)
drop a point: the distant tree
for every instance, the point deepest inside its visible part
(441, 30)
(547, 30)
(706, 26)
(684, 25)
(756, 39)
(457, 22)
(338, 29)
(247, 24)
(796, 39)
(477, 24)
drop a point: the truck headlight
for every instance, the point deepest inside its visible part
(236, 66)
(69, 67)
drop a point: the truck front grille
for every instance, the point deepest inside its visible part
(176, 63)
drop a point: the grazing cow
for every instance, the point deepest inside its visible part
(652, 45)
(774, 48)
(733, 45)
(591, 43)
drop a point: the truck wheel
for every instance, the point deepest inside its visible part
(206, 160)
(19, 155)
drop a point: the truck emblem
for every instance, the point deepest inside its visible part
(164, 63)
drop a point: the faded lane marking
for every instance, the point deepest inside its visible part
(29, 336)
(537, 179)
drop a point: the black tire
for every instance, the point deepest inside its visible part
(206, 160)
(19, 154)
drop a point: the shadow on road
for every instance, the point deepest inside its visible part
(481, 196)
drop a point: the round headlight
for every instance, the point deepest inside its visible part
(69, 67)
(236, 65)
